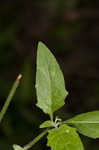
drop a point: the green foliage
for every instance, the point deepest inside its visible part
(87, 123)
(51, 94)
(50, 85)
(64, 138)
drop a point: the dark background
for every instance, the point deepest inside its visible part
(70, 28)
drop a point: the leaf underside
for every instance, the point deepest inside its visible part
(87, 123)
(64, 138)
(50, 87)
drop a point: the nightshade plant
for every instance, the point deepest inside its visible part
(51, 93)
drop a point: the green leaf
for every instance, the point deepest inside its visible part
(50, 85)
(17, 147)
(87, 124)
(46, 124)
(64, 138)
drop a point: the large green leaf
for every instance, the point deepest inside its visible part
(87, 123)
(50, 85)
(64, 138)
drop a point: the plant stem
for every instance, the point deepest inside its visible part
(30, 144)
(10, 96)
(51, 116)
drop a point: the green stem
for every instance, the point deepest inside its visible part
(10, 96)
(30, 144)
(51, 116)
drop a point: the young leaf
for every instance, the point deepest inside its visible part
(87, 124)
(64, 138)
(17, 147)
(46, 124)
(50, 85)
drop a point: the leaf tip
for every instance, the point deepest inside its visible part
(40, 43)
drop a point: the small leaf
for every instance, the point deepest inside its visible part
(50, 85)
(17, 147)
(46, 124)
(87, 123)
(64, 138)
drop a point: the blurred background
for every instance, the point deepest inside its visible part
(70, 28)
